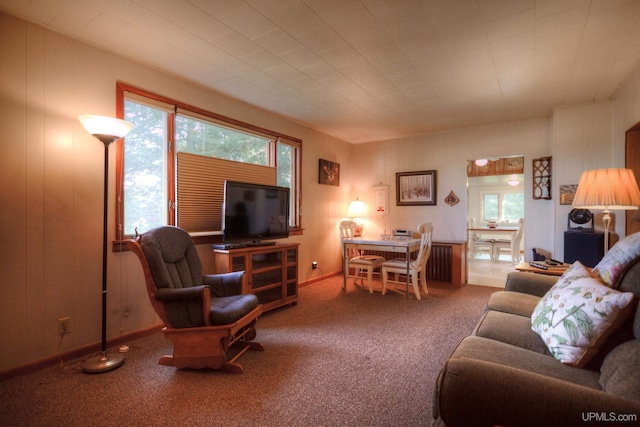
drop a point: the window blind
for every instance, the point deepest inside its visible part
(200, 184)
(128, 96)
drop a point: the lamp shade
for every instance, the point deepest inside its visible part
(357, 209)
(607, 189)
(106, 129)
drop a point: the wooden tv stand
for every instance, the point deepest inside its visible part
(271, 272)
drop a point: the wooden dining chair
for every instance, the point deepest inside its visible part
(478, 244)
(356, 259)
(511, 246)
(417, 267)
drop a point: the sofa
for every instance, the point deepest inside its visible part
(536, 358)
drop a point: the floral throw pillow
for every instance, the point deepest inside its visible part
(618, 258)
(577, 315)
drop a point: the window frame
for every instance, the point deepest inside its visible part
(276, 137)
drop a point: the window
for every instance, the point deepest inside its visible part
(490, 207)
(208, 139)
(145, 173)
(146, 187)
(288, 175)
(502, 206)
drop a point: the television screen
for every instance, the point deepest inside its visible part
(253, 212)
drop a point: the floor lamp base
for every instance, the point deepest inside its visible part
(102, 363)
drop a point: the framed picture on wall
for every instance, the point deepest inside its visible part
(416, 188)
(328, 173)
(567, 193)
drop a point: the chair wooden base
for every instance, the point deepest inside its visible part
(208, 347)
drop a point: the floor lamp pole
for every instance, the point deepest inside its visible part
(104, 362)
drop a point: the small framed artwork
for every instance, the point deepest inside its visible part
(514, 164)
(567, 193)
(328, 173)
(416, 188)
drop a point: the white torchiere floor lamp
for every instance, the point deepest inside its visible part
(107, 130)
(607, 190)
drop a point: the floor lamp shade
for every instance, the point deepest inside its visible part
(607, 189)
(107, 130)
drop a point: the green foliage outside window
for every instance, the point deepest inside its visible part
(491, 207)
(513, 206)
(507, 207)
(207, 139)
(145, 183)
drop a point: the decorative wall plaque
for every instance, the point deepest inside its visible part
(452, 199)
(542, 178)
(381, 198)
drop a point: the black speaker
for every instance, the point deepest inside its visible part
(588, 248)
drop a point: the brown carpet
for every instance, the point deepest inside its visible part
(350, 359)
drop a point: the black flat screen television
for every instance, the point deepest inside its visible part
(254, 212)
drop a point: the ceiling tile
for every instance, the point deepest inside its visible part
(510, 26)
(363, 70)
(495, 9)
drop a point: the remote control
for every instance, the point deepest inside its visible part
(538, 265)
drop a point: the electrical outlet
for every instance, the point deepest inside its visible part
(63, 325)
(314, 265)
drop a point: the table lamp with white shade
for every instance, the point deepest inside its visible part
(357, 210)
(607, 190)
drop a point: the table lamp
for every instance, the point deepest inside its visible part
(607, 189)
(357, 210)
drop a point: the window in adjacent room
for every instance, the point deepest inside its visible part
(503, 206)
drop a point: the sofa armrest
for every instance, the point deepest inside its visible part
(529, 283)
(224, 284)
(472, 392)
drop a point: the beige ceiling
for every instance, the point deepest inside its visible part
(364, 70)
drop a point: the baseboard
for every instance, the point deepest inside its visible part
(318, 279)
(76, 353)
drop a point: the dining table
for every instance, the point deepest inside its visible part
(502, 231)
(405, 245)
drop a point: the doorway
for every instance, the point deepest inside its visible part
(495, 193)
